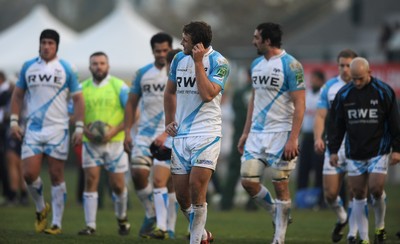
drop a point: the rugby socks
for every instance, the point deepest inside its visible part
(198, 218)
(360, 211)
(337, 207)
(172, 212)
(379, 205)
(58, 198)
(265, 200)
(161, 206)
(36, 191)
(281, 219)
(145, 196)
(90, 201)
(352, 220)
(187, 213)
(120, 204)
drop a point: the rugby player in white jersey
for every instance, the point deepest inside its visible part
(193, 117)
(274, 117)
(148, 88)
(333, 176)
(47, 81)
(105, 98)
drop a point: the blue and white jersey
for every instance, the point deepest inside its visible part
(328, 92)
(273, 80)
(47, 86)
(149, 84)
(195, 117)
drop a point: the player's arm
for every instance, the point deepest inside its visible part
(79, 113)
(207, 89)
(247, 125)
(319, 126)
(17, 99)
(299, 101)
(394, 128)
(129, 119)
(337, 125)
(170, 108)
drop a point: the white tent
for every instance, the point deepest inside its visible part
(123, 35)
(20, 42)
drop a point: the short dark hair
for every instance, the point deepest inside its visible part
(160, 38)
(199, 31)
(271, 31)
(171, 54)
(98, 54)
(346, 53)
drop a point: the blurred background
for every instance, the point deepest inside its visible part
(314, 32)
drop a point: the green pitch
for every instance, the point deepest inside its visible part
(237, 226)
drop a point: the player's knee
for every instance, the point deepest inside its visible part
(279, 175)
(250, 171)
(359, 193)
(142, 162)
(159, 182)
(376, 191)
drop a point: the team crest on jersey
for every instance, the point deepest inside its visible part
(222, 72)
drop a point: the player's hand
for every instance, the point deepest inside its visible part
(291, 150)
(171, 129)
(160, 140)
(319, 146)
(111, 132)
(88, 134)
(334, 160)
(198, 52)
(77, 138)
(241, 142)
(16, 132)
(128, 143)
(394, 158)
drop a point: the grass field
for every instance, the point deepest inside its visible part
(237, 226)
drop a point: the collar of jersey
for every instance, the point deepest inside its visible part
(103, 82)
(278, 56)
(40, 60)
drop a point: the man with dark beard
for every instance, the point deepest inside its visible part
(105, 98)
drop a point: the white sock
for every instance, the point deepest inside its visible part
(90, 202)
(172, 212)
(337, 207)
(161, 205)
(187, 212)
(198, 220)
(265, 200)
(352, 220)
(281, 219)
(58, 198)
(146, 199)
(36, 191)
(360, 210)
(379, 206)
(120, 204)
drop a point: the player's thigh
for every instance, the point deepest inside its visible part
(92, 178)
(331, 184)
(198, 183)
(56, 170)
(359, 185)
(376, 183)
(181, 182)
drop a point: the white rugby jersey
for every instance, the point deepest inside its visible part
(149, 84)
(48, 86)
(273, 79)
(195, 117)
(328, 92)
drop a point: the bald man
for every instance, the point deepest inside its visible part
(366, 104)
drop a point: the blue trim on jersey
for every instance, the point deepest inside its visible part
(255, 62)
(152, 125)
(72, 78)
(323, 101)
(186, 125)
(124, 95)
(136, 88)
(290, 80)
(215, 70)
(172, 72)
(38, 116)
(259, 120)
(21, 83)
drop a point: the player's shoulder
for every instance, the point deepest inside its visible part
(331, 82)
(344, 91)
(383, 87)
(29, 63)
(291, 62)
(257, 61)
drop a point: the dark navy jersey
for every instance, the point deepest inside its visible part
(369, 116)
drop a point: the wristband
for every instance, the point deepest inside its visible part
(79, 124)
(79, 130)
(13, 123)
(14, 117)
